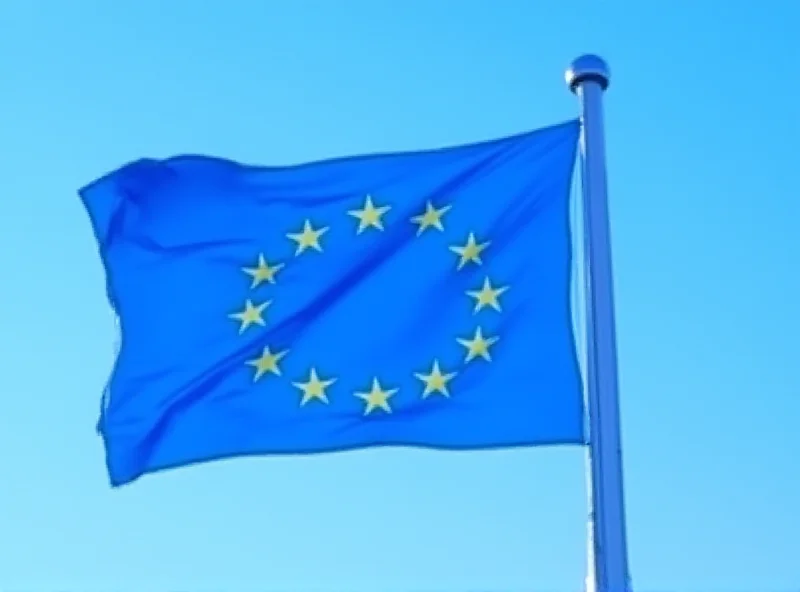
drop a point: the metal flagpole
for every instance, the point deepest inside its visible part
(588, 77)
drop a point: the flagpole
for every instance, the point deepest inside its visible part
(588, 77)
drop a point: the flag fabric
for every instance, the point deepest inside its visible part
(410, 299)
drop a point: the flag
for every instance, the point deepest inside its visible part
(409, 299)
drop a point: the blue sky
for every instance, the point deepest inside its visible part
(702, 144)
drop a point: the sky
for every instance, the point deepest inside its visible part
(702, 125)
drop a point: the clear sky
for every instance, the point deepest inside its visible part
(702, 123)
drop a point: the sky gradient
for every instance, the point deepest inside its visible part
(701, 122)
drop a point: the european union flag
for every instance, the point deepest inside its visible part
(417, 299)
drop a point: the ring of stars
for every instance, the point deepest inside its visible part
(376, 398)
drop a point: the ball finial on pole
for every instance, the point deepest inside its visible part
(588, 67)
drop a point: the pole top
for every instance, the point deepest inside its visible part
(587, 68)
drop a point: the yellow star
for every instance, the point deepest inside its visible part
(267, 362)
(369, 215)
(478, 346)
(435, 382)
(251, 315)
(487, 296)
(470, 252)
(308, 238)
(376, 398)
(432, 218)
(314, 388)
(263, 272)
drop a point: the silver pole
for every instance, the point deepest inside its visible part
(588, 77)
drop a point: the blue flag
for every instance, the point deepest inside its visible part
(417, 299)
